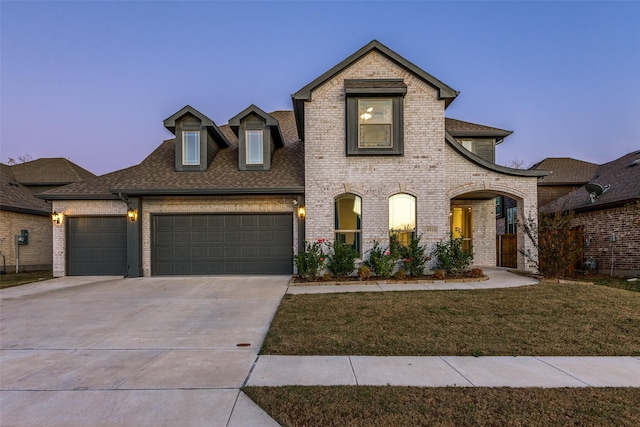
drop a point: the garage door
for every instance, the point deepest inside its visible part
(96, 246)
(222, 244)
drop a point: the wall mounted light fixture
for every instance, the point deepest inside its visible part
(132, 214)
(302, 212)
(56, 218)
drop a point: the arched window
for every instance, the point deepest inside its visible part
(348, 220)
(402, 217)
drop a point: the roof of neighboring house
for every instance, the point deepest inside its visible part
(459, 128)
(157, 175)
(18, 198)
(621, 175)
(566, 171)
(49, 171)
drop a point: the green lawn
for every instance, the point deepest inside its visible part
(362, 406)
(546, 319)
(13, 279)
(542, 320)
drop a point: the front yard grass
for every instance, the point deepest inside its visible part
(541, 320)
(448, 406)
(615, 282)
(17, 279)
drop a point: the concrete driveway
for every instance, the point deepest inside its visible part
(88, 351)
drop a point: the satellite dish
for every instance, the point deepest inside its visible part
(595, 190)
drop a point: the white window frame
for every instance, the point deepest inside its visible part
(365, 115)
(260, 148)
(185, 149)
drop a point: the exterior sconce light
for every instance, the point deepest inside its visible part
(56, 218)
(132, 214)
(302, 212)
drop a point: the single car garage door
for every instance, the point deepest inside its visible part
(222, 244)
(97, 246)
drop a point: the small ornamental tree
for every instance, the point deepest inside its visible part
(310, 261)
(559, 247)
(451, 257)
(414, 257)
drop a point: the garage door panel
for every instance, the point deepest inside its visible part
(96, 246)
(225, 243)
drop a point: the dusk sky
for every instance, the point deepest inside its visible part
(93, 81)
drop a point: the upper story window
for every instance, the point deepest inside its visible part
(348, 220)
(468, 144)
(375, 123)
(402, 218)
(254, 147)
(190, 148)
(375, 116)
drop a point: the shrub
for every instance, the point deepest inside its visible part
(477, 272)
(439, 274)
(342, 261)
(400, 275)
(451, 257)
(558, 245)
(383, 261)
(414, 257)
(310, 261)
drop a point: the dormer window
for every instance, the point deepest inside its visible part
(259, 137)
(190, 148)
(375, 117)
(254, 147)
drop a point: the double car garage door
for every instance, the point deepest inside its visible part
(186, 244)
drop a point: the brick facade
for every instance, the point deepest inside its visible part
(599, 226)
(36, 255)
(429, 169)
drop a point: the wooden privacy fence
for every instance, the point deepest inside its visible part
(507, 250)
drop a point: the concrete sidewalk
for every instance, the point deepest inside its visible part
(446, 371)
(498, 278)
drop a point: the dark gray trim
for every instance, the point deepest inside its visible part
(351, 126)
(212, 129)
(106, 196)
(480, 133)
(270, 121)
(210, 191)
(445, 92)
(488, 165)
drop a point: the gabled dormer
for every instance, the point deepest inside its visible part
(258, 135)
(198, 139)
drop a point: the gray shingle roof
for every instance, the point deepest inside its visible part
(623, 179)
(49, 171)
(15, 197)
(157, 175)
(566, 171)
(459, 128)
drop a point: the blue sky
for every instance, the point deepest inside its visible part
(93, 81)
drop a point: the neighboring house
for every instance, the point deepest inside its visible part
(565, 175)
(607, 210)
(21, 210)
(47, 173)
(365, 153)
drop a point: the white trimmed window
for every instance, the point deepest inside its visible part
(254, 147)
(190, 148)
(402, 218)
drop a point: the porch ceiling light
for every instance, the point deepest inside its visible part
(132, 215)
(57, 218)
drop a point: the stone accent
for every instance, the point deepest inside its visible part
(212, 204)
(78, 208)
(36, 255)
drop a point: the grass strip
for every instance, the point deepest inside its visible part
(450, 406)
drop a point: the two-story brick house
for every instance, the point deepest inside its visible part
(365, 153)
